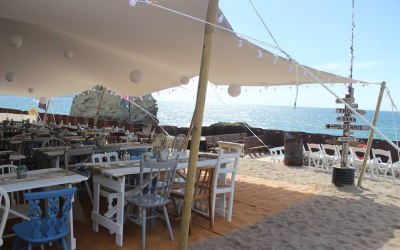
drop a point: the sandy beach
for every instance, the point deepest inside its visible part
(329, 218)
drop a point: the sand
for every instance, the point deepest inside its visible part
(330, 218)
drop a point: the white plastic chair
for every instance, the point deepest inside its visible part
(330, 156)
(315, 155)
(383, 162)
(5, 207)
(221, 186)
(357, 155)
(277, 154)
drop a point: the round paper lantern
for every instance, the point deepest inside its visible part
(30, 90)
(234, 90)
(10, 76)
(42, 100)
(136, 76)
(132, 3)
(185, 80)
(68, 53)
(16, 41)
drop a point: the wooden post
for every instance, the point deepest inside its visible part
(98, 107)
(197, 122)
(45, 113)
(371, 135)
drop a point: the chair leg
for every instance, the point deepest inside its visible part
(167, 221)
(143, 228)
(64, 244)
(89, 191)
(230, 208)
(210, 211)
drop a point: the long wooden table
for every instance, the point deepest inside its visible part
(41, 179)
(113, 177)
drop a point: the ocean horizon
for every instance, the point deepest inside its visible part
(302, 119)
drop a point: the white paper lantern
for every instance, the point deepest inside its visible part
(42, 100)
(185, 80)
(234, 90)
(132, 3)
(31, 90)
(10, 76)
(68, 53)
(136, 76)
(16, 41)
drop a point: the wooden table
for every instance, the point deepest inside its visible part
(113, 178)
(14, 156)
(41, 179)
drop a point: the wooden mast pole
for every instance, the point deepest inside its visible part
(371, 135)
(45, 113)
(98, 107)
(197, 122)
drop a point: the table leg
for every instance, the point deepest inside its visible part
(96, 203)
(71, 241)
(120, 212)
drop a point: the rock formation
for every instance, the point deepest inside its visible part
(114, 107)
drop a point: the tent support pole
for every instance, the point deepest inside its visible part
(98, 107)
(47, 108)
(371, 135)
(197, 122)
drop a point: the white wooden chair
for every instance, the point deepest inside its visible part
(107, 193)
(383, 164)
(19, 209)
(220, 183)
(5, 209)
(315, 155)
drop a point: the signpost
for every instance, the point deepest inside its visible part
(346, 100)
(345, 139)
(345, 119)
(347, 127)
(348, 111)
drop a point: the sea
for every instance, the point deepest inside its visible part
(310, 120)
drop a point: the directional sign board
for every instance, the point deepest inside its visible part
(348, 133)
(348, 111)
(345, 119)
(346, 100)
(347, 139)
(345, 126)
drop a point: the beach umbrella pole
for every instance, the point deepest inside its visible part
(197, 122)
(371, 135)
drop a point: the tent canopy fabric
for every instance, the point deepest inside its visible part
(52, 48)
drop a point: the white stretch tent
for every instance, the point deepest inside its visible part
(52, 48)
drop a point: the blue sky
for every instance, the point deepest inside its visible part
(317, 33)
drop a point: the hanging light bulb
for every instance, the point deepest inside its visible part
(275, 59)
(240, 43)
(220, 18)
(260, 54)
(132, 3)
